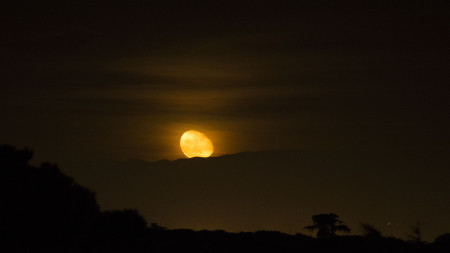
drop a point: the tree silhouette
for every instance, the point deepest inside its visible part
(327, 225)
(40, 206)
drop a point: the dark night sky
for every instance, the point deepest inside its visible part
(86, 82)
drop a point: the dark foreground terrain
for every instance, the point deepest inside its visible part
(43, 210)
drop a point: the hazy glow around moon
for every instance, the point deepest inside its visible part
(196, 144)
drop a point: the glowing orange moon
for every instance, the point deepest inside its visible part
(196, 144)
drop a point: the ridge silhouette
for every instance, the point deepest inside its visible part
(44, 210)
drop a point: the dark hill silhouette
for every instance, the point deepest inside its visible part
(272, 189)
(44, 210)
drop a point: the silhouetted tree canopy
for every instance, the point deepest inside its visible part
(327, 225)
(41, 205)
(43, 209)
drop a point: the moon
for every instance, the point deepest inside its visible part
(196, 144)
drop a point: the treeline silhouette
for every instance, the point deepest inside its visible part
(43, 210)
